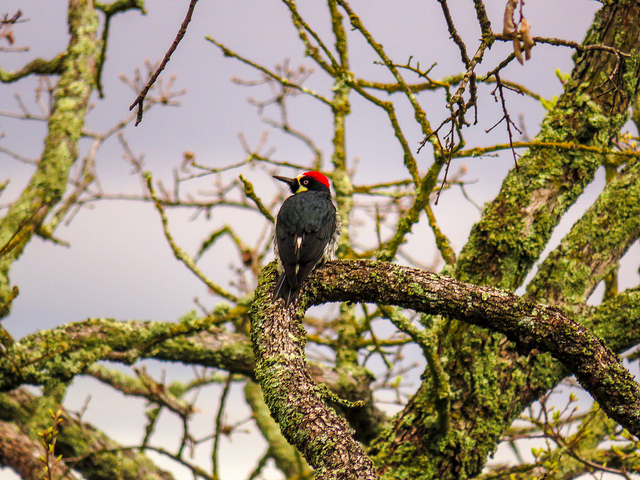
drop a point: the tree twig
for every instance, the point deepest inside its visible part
(139, 101)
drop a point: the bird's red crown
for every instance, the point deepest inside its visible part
(319, 177)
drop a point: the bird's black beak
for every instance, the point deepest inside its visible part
(292, 182)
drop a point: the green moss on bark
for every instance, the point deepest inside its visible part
(70, 101)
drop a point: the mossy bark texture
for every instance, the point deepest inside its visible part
(490, 382)
(491, 379)
(77, 80)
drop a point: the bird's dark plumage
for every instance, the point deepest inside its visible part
(305, 232)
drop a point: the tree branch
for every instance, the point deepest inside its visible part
(36, 359)
(81, 444)
(517, 225)
(295, 401)
(38, 66)
(139, 101)
(528, 325)
(594, 245)
(49, 182)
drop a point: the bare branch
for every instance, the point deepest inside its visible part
(139, 101)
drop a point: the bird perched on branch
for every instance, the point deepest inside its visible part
(306, 233)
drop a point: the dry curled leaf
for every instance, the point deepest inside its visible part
(527, 39)
(520, 31)
(509, 27)
(517, 49)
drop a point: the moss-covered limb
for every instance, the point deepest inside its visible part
(352, 383)
(287, 459)
(81, 444)
(64, 352)
(594, 245)
(141, 386)
(120, 6)
(516, 226)
(526, 324)
(616, 320)
(476, 426)
(491, 380)
(295, 401)
(70, 101)
(535, 144)
(22, 454)
(39, 66)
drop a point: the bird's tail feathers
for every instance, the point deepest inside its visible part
(283, 290)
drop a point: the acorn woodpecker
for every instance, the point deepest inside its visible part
(306, 233)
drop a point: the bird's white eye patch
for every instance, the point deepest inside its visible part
(305, 182)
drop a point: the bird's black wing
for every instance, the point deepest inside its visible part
(315, 240)
(287, 232)
(304, 227)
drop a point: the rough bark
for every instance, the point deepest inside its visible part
(64, 352)
(84, 448)
(49, 182)
(295, 401)
(594, 245)
(517, 224)
(490, 383)
(287, 458)
(22, 454)
(529, 325)
(297, 404)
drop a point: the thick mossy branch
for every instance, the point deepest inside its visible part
(594, 245)
(295, 401)
(517, 225)
(287, 459)
(70, 101)
(492, 382)
(60, 354)
(529, 326)
(85, 448)
(51, 356)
